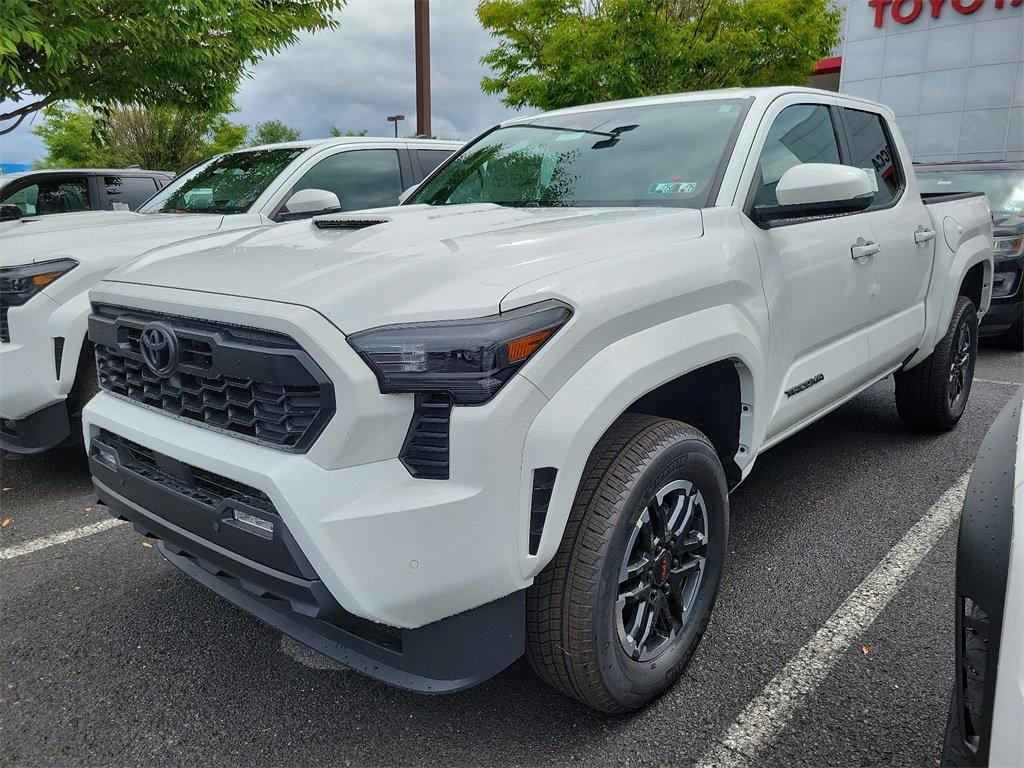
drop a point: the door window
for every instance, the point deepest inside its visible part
(871, 149)
(132, 191)
(431, 158)
(363, 178)
(802, 133)
(59, 194)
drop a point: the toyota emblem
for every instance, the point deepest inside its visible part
(159, 348)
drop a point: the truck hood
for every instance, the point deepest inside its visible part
(113, 237)
(1007, 224)
(419, 263)
(62, 221)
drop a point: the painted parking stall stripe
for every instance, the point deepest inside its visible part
(45, 542)
(765, 716)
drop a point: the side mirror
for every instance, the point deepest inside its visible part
(407, 193)
(10, 212)
(312, 201)
(819, 189)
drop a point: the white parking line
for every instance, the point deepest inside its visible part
(58, 538)
(765, 716)
(997, 381)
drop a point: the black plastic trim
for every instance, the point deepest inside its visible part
(543, 485)
(37, 432)
(982, 569)
(426, 451)
(932, 198)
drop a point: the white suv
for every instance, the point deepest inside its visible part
(48, 264)
(505, 417)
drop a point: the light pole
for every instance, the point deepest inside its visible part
(394, 119)
(421, 17)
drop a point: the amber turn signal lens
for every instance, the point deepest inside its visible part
(45, 279)
(521, 348)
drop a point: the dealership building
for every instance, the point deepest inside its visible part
(952, 70)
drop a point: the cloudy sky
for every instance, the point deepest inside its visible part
(355, 76)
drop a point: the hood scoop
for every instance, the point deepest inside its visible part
(348, 223)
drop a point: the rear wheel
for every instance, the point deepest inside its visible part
(933, 394)
(615, 617)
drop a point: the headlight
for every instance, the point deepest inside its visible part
(469, 359)
(21, 283)
(1007, 245)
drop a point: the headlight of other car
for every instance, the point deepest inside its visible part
(21, 283)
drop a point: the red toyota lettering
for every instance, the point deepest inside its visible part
(879, 6)
(915, 10)
(961, 7)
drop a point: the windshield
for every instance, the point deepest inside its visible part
(1004, 189)
(227, 184)
(654, 155)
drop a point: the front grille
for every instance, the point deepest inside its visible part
(198, 484)
(5, 329)
(253, 384)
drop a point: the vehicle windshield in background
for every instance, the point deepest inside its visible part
(1004, 189)
(228, 184)
(655, 155)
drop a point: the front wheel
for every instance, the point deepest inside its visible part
(933, 394)
(615, 617)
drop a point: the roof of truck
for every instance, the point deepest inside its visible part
(768, 94)
(342, 140)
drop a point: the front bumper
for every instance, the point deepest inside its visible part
(38, 431)
(1002, 315)
(1006, 312)
(193, 514)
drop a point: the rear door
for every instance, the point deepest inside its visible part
(818, 294)
(904, 232)
(128, 191)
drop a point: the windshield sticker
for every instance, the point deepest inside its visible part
(672, 188)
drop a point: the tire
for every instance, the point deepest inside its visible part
(576, 628)
(87, 387)
(933, 394)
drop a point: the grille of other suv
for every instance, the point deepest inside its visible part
(5, 330)
(254, 384)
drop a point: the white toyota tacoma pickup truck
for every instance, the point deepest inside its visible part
(48, 264)
(505, 417)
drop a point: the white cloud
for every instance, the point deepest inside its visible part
(356, 75)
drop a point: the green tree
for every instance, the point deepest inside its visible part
(69, 135)
(272, 132)
(560, 53)
(337, 132)
(162, 138)
(189, 54)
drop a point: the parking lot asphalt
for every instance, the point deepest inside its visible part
(112, 657)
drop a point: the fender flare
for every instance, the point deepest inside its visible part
(564, 433)
(70, 321)
(969, 253)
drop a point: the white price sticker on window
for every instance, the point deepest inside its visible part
(874, 178)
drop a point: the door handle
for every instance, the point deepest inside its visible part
(923, 235)
(861, 250)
